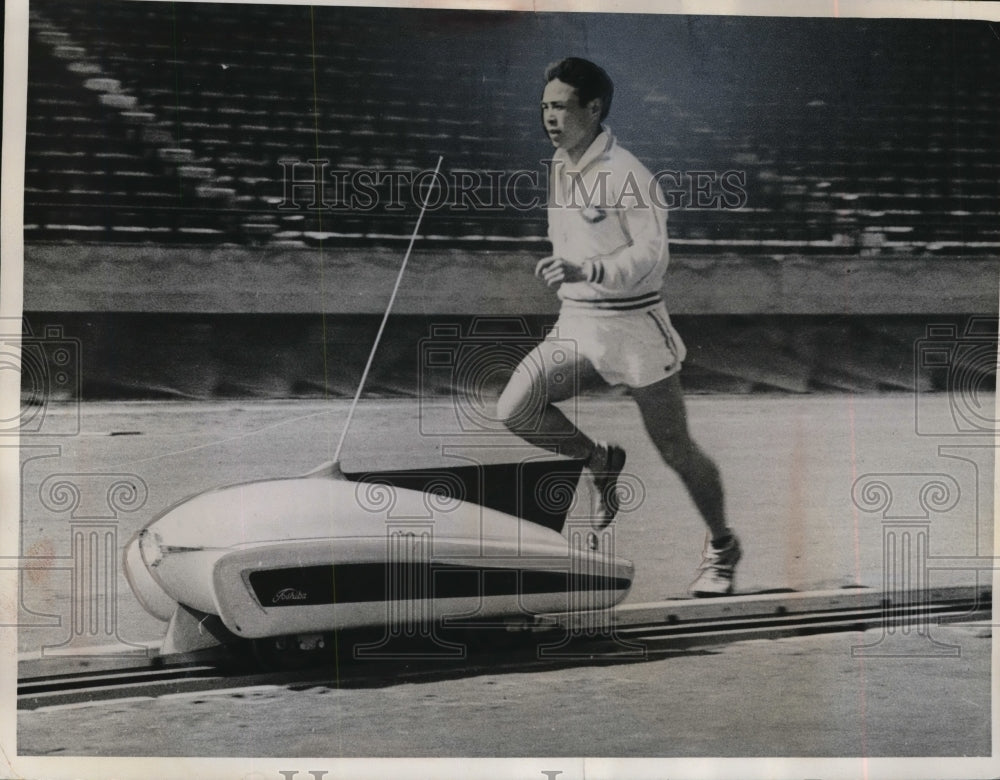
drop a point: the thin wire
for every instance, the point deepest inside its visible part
(385, 317)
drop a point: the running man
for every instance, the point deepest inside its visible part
(607, 225)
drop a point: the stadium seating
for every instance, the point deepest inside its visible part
(163, 122)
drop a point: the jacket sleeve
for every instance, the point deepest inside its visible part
(642, 217)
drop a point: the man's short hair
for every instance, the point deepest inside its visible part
(589, 80)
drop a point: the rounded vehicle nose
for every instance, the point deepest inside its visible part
(149, 592)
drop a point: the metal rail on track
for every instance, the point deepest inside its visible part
(776, 613)
(644, 630)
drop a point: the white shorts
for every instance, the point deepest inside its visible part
(632, 348)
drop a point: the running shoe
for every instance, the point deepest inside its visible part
(606, 464)
(717, 570)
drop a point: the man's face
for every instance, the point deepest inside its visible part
(570, 126)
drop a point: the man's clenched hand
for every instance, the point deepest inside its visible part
(556, 270)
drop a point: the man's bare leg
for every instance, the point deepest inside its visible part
(550, 373)
(547, 375)
(665, 417)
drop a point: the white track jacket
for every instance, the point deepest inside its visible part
(608, 212)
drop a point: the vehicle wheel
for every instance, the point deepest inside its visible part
(288, 653)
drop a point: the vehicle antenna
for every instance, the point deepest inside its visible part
(381, 329)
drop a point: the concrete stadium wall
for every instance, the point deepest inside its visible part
(154, 322)
(205, 356)
(350, 281)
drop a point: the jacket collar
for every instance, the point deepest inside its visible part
(598, 148)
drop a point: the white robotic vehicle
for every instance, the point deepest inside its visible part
(283, 565)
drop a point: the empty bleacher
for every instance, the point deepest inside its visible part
(163, 122)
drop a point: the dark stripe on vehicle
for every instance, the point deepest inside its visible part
(368, 582)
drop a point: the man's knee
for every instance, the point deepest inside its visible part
(507, 410)
(515, 409)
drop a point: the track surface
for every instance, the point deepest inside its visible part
(805, 696)
(788, 463)
(635, 633)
